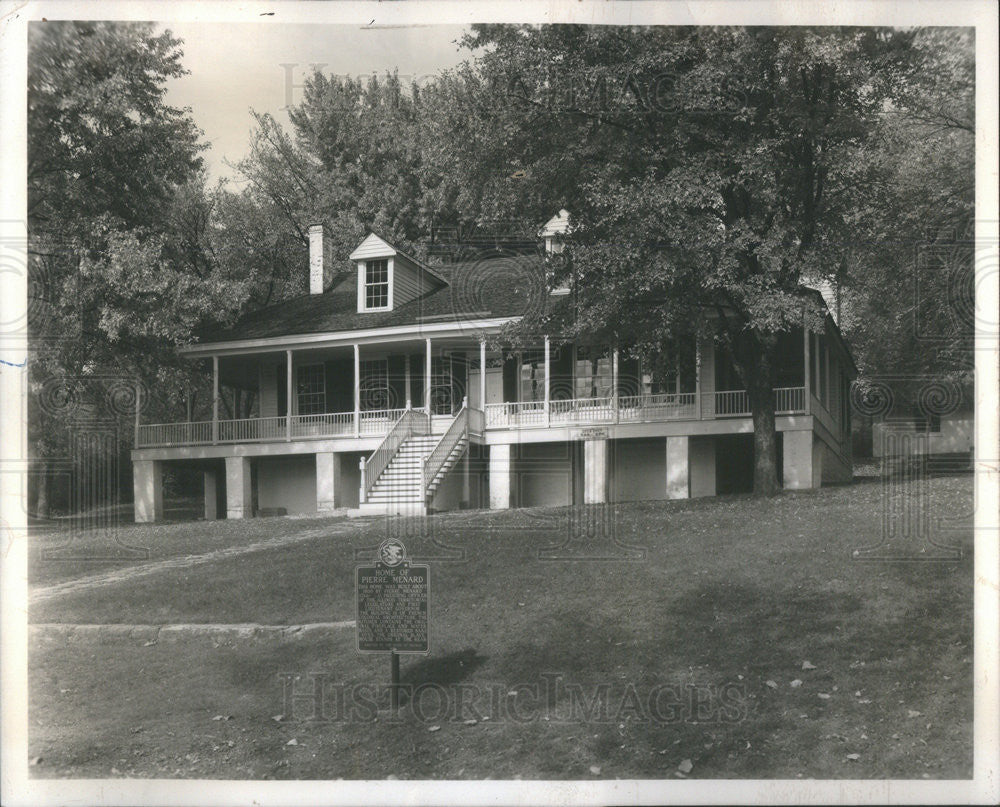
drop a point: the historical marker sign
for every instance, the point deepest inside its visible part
(392, 598)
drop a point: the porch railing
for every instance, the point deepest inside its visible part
(509, 415)
(434, 462)
(582, 410)
(251, 430)
(329, 424)
(513, 413)
(412, 422)
(788, 400)
(730, 403)
(376, 421)
(174, 434)
(666, 406)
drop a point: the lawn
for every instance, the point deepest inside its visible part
(546, 668)
(59, 553)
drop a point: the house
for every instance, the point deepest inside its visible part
(383, 389)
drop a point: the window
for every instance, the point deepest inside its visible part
(374, 384)
(593, 373)
(532, 377)
(377, 284)
(311, 389)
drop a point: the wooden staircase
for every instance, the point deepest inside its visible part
(407, 469)
(400, 487)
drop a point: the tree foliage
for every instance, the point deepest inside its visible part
(110, 167)
(710, 173)
(911, 289)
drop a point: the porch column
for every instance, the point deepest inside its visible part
(677, 468)
(614, 381)
(548, 418)
(357, 390)
(500, 468)
(595, 471)
(806, 376)
(482, 374)
(288, 395)
(215, 399)
(816, 367)
(328, 480)
(797, 459)
(828, 360)
(427, 377)
(408, 393)
(697, 375)
(238, 487)
(147, 487)
(211, 493)
(138, 408)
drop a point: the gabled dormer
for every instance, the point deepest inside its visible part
(554, 233)
(388, 278)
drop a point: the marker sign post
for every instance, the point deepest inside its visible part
(392, 599)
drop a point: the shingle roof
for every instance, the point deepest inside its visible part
(480, 289)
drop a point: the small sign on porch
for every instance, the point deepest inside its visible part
(592, 433)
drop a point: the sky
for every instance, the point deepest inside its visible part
(238, 67)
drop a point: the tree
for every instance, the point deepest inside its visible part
(911, 293)
(709, 172)
(108, 166)
(355, 162)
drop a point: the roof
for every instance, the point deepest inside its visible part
(487, 288)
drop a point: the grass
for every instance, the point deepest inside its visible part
(733, 595)
(59, 555)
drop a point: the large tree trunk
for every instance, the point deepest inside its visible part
(765, 443)
(753, 355)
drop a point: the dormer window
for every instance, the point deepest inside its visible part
(376, 284)
(388, 278)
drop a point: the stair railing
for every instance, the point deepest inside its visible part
(411, 423)
(435, 461)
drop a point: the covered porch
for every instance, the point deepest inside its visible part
(361, 389)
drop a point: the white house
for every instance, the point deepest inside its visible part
(382, 389)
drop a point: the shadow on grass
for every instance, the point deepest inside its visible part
(442, 671)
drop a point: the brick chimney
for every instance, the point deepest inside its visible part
(320, 258)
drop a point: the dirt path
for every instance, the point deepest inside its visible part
(152, 634)
(94, 581)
